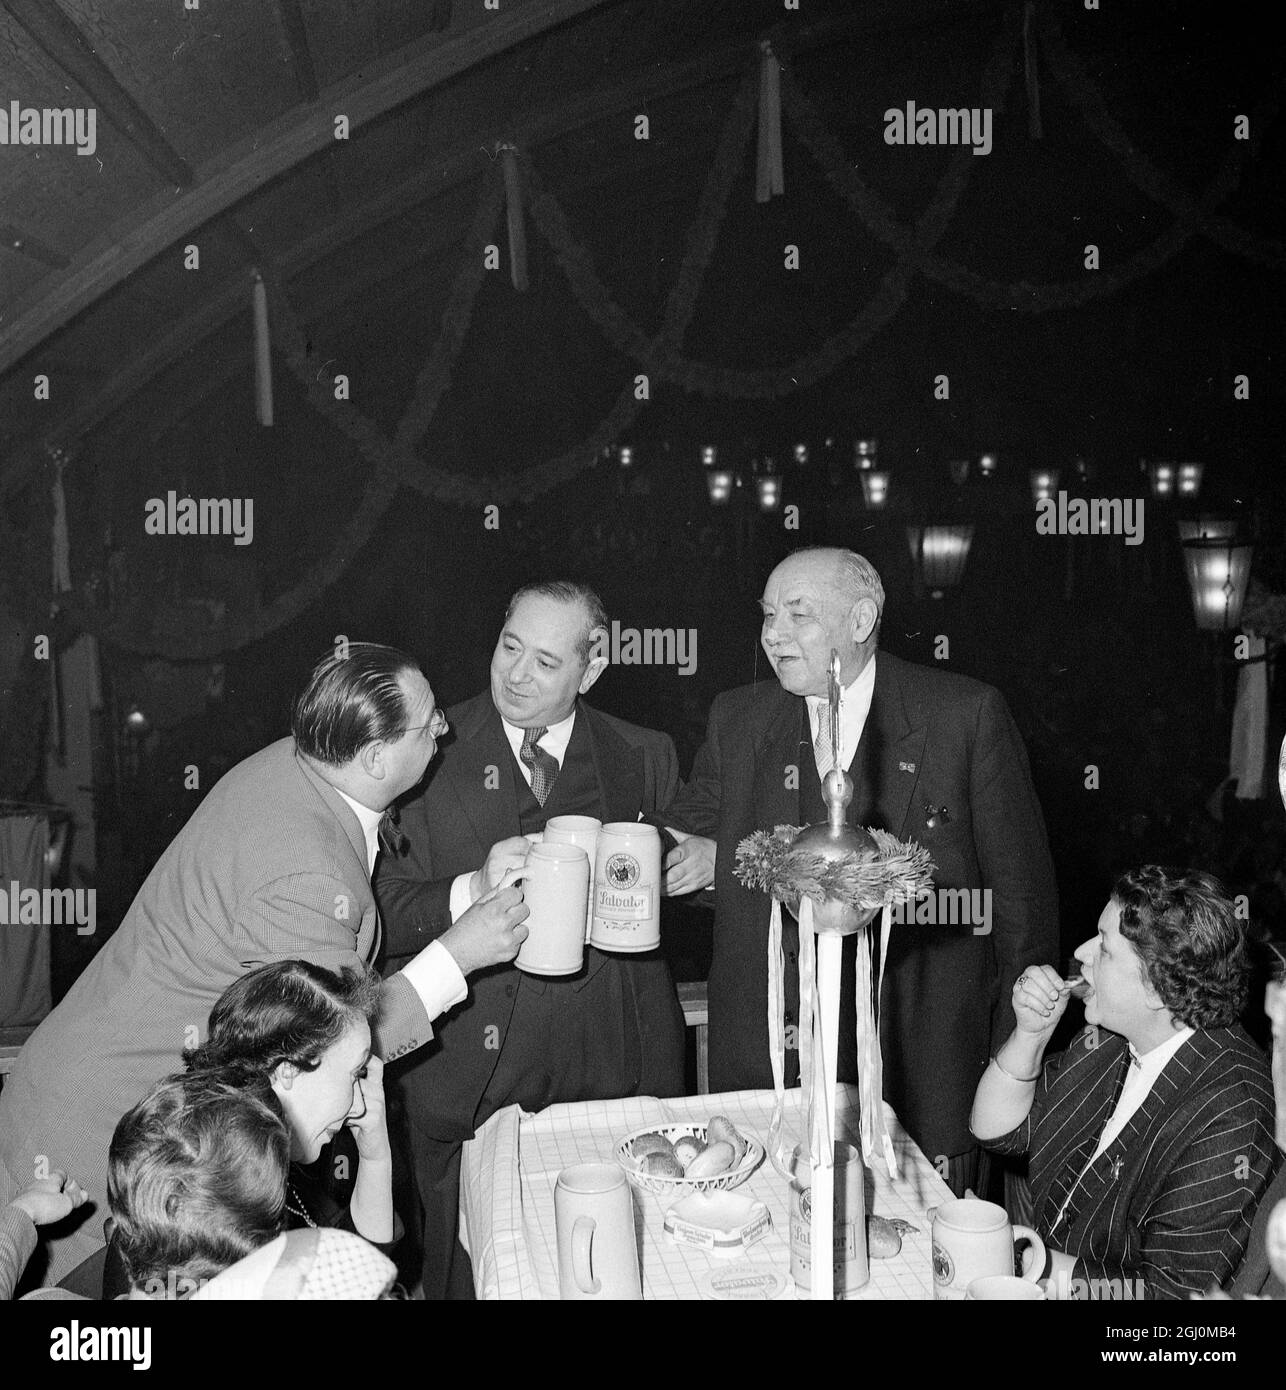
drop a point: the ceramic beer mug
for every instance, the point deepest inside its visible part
(581, 831)
(627, 888)
(852, 1268)
(973, 1239)
(598, 1255)
(555, 885)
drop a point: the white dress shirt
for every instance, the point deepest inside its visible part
(433, 974)
(554, 740)
(1138, 1083)
(1135, 1089)
(854, 706)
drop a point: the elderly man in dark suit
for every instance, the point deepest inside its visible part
(934, 758)
(524, 751)
(274, 863)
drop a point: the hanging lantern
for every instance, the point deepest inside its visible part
(625, 456)
(959, 470)
(987, 464)
(719, 485)
(1163, 479)
(769, 487)
(801, 453)
(864, 453)
(1190, 479)
(939, 554)
(136, 722)
(875, 488)
(1206, 527)
(708, 455)
(1044, 484)
(1218, 573)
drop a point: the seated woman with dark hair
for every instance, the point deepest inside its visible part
(196, 1180)
(1150, 1139)
(307, 1032)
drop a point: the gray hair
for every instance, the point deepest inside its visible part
(855, 578)
(568, 591)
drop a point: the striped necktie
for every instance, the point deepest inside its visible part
(543, 765)
(822, 742)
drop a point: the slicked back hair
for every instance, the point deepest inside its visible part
(856, 578)
(289, 1011)
(568, 591)
(350, 701)
(196, 1176)
(1184, 928)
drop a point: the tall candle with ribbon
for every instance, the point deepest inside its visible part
(263, 361)
(841, 877)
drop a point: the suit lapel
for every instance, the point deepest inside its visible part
(777, 750)
(889, 755)
(480, 771)
(618, 768)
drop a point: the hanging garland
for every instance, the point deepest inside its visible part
(395, 463)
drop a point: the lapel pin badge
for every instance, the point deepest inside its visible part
(1117, 1164)
(935, 816)
(906, 767)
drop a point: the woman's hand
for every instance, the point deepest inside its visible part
(50, 1199)
(1039, 999)
(371, 1127)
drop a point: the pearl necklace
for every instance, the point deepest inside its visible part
(301, 1210)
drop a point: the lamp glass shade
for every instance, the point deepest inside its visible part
(1190, 479)
(719, 484)
(1218, 575)
(864, 453)
(1211, 528)
(875, 488)
(1044, 483)
(769, 488)
(987, 464)
(939, 554)
(1163, 479)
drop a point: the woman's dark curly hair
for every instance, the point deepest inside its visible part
(290, 1011)
(1184, 927)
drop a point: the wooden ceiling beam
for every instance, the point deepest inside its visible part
(17, 239)
(64, 44)
(272, 150)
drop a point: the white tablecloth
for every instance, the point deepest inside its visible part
(510, 1168)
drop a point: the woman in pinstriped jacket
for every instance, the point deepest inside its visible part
(1150, 1139)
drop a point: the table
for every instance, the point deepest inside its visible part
(510, 1167)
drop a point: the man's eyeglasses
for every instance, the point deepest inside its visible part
(436, 726)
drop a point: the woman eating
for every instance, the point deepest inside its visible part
(1150, 1139)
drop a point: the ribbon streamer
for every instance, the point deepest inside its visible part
(1030, 73)
(513, 213)
(263, 360)
(769, 179)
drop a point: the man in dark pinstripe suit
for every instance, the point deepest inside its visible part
(1150, 1138)
(276, 862)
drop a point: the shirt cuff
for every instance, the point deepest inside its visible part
(436, 979)
(461, 896)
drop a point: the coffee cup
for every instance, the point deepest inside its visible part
(581, 831)
(555, 885)
(627, 888)
(1003, 1288)
(972, 1240)
(598, 1254)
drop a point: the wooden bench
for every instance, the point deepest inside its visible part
(11, 1042)
(696, 1014)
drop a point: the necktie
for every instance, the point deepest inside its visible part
(390, 833)
(543, 765)
(822, 743)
